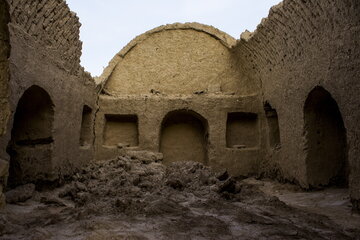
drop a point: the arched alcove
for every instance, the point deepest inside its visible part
(273, 126)
(325, 135)
(86, 127)
(30, 147)
(184, 137)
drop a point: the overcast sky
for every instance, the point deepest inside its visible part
(108, 25)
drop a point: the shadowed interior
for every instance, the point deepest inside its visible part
(86, 127)
(273, 126)
(30, 147)
(325, 134)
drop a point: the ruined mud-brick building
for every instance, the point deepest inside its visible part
(46, 97)
(280, 102)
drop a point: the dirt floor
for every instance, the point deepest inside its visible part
(136, 197)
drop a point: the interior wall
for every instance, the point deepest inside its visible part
(45, 51)
(184, 137)
(152, 110)
(182, 66)
(301, 45)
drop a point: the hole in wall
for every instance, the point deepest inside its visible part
(30, 147)
(86, 127)
(184, 137)
(325, 134)
(242, 130)
(121, 129)
(273, 126)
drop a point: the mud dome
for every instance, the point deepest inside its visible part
(135, 196)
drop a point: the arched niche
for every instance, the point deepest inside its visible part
(184, 137)
(30, 147)
(86, 127)
(272, 125)
(325, 140)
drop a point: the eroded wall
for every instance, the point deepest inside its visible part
(152, 111)
(44, 39)
(301, 45)
(182, 68)
(53, 24)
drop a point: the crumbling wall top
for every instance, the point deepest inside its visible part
(53, 25)
(225, 39)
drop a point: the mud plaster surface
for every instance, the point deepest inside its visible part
(139, 198)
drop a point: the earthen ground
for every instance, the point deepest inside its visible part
(137, 197)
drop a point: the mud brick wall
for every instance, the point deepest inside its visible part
(53, 25)
(300, 46)
(44, 58)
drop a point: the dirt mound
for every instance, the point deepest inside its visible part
(133, 186)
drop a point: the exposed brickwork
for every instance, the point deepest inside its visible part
(301, 45)
(53, 24)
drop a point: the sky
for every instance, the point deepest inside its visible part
(108, 25)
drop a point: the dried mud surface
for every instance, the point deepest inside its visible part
(139, 198)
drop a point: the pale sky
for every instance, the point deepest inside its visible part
(108, 25)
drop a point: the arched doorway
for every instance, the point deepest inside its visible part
(326, 160)
(30, 147)
(184, 137)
